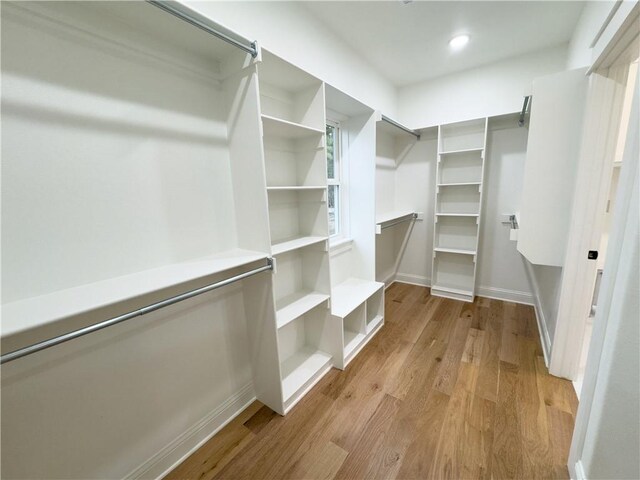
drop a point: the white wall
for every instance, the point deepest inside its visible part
(291, 32)
(485, 91)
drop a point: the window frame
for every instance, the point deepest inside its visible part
(340, 180)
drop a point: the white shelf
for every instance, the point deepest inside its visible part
(457, 214)
(452, 289)
(346, 296)
(459, 184)
(295, 243)
(389, 217)
(300, 368)
(373, 324)
(294, 188)
(108, 296)
(297, 304)
(351, 341)
(455, 250)
(277, 127)
(463, 150)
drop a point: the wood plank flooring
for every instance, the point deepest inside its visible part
(446, 390)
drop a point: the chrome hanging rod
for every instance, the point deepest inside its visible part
(203, 23)
(408, 218)
(401, 127)
(525, 106)
(37, 347)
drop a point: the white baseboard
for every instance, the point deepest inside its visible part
(580, 475)
(413, 279)
(515, 296)
(179, 449)
(489, 292)
(545, 340)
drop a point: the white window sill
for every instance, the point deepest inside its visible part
(340, 245)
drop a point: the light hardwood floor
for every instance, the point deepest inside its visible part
(445, 390)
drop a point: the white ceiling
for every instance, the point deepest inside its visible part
(409, 43)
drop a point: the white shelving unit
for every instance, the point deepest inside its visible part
(458, 202)
(293, 130)
(359, 307)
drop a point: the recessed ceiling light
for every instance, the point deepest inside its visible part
(459, 41)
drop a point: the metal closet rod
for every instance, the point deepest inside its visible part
(207, 25)
(400, 126)
(526, 104)
(413, 216)
(37, 347)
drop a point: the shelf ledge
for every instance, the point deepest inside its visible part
(294, 244)
(278, 127)
(353, 292)
(35, 319)
(296, 305)
(461, 251)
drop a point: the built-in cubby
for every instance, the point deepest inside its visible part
(454, 273)
(456, 233)
(290, 94)
(354, 329)
(295, 162)
(458, 199)
(462, 136)
(375, 310)
(460, 168)
(296, 215)
(458, 207)
(304, 346)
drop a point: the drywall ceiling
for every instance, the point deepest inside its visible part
(409, 42)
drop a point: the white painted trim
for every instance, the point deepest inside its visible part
(496, 293)
(545, 339)
(578, 473)
(507, 295)
(184, 445)
(338, 246)
(413, 279)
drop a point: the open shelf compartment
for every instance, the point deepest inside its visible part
(375, 311)
(354, 331)
(460, 233)
(290, 94)
(295, 162)
(303, 346)
(297, 215)
(460, 168)
(462, 136)
(463, 199)
(454, 276)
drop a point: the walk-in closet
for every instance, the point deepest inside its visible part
(332, 240)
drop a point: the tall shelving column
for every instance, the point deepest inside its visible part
(458, 208)
(293, 119)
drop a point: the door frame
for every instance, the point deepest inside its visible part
(605, 97)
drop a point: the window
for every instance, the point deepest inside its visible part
(334, 180)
